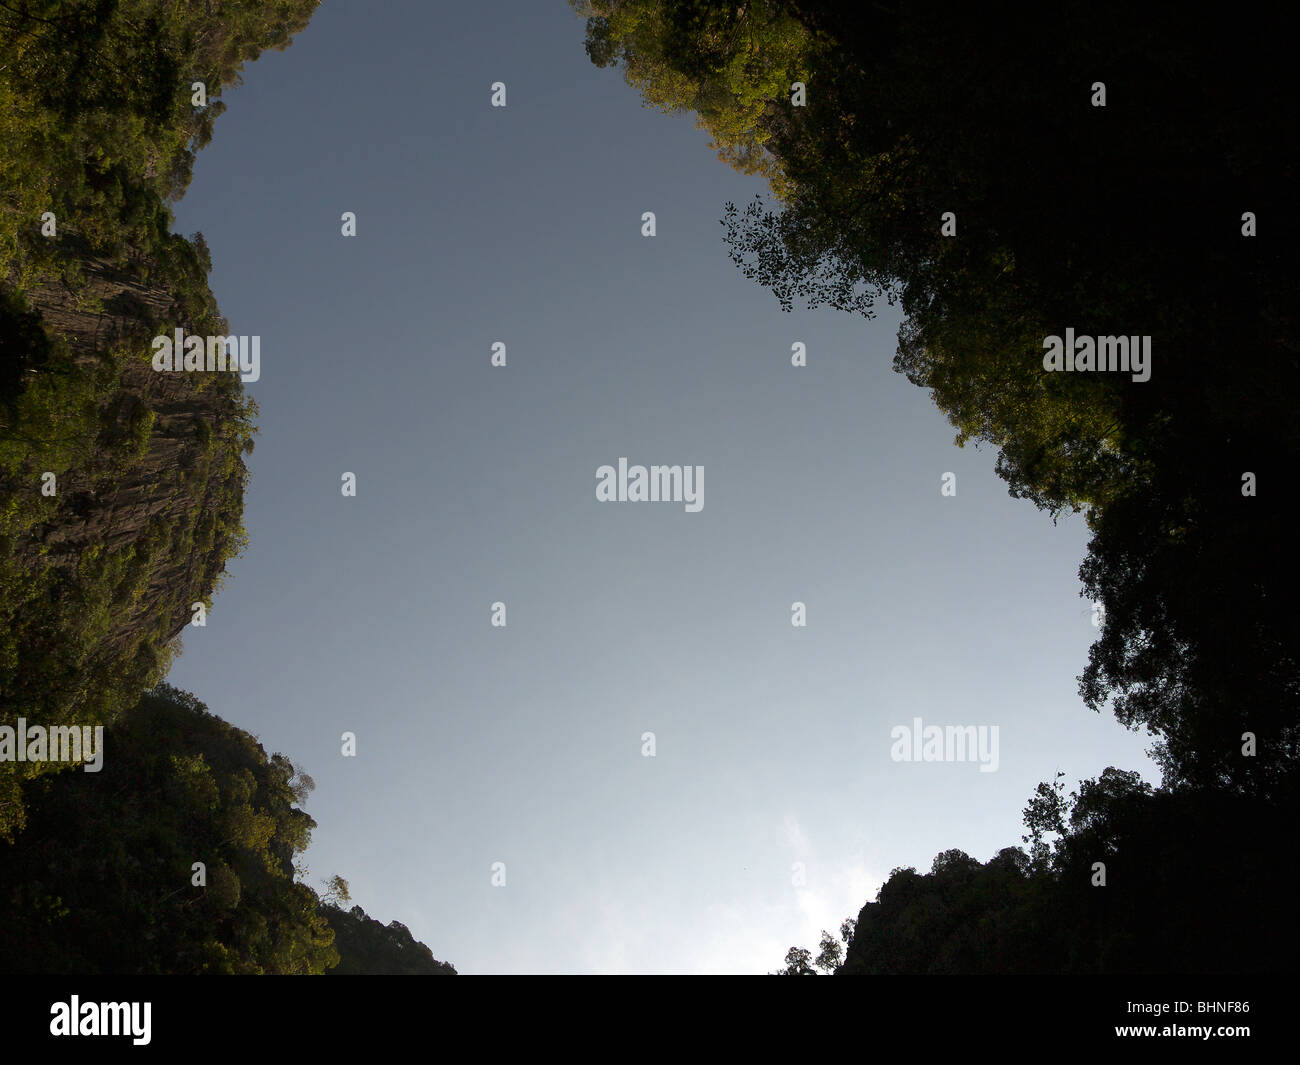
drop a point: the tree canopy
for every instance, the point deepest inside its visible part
(104, 879)
(956, 160)
(1118, 877)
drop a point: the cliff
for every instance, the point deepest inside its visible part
(100, 564)
(120, 487)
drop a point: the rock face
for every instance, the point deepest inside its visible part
(121, 489)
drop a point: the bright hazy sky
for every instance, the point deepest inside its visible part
(476, 484)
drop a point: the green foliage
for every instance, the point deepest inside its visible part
(1116, 221)
(1164, 906)
(84, 629)
(97, 126)
(113, 851)
(96, 117)
(732, 65)
(368, 948)
(97, 579)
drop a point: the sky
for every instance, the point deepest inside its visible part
(772, 806)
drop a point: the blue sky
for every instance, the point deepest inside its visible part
(476, 484)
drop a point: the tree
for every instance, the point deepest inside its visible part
(336, 891)
(179, 852)
(732, 65)
(1180, 866)
(367, 947)
(919, 119)
(800, 962)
